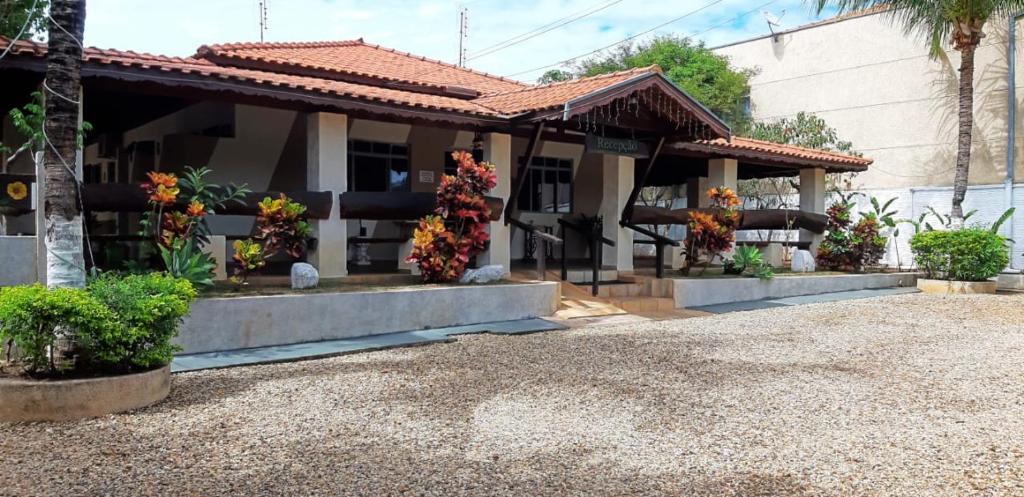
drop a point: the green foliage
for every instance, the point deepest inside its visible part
(18, 14)
(248, 259)
(969, 254)
(848, 245)
(804, 130)
(747, 259)
(195, 188)
(183, 260)
(705, 75)
(115, 324)
(554, 76)
(33, 318)
(28, 121)
(149, 309)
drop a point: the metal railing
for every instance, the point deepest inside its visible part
(592, 232)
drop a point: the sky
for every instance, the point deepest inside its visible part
(431, 27)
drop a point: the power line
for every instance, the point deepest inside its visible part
(628, 39)
(553, 25)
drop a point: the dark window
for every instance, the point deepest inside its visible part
(451, 167)
(377, 167)
(548, 186)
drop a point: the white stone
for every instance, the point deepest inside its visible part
(486, 274)
(803, 262)
(304, 276)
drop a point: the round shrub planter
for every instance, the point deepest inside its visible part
(947, 287)
(63, 400)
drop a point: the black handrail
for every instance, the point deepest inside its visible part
(596, 239)
(543, 237)
(659, 245)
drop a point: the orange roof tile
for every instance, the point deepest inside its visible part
(355, 57)
(778, 149)
(553, 95)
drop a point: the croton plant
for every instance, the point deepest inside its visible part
(445, 241)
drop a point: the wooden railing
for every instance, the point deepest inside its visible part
(545, 238)
(595, 239)
(659, 242)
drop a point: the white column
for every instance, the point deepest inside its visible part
(617, 183)
(696, 192)
(327, 170)
(498, 151)
(722, 172)
(217, 249)
(812, 199)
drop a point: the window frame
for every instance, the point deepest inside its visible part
(389, 157)
(542, 167)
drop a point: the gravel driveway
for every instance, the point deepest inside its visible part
(909, 395)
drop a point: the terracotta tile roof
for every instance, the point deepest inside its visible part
(357, 58)
(203, 67)
(554, 95)
(792, 151)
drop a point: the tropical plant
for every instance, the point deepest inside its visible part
(848, 245)
(280, 226)
(248, 259)
(712, 232)
(183, 260)
(21, 19)
(961, 23)
(747, 259)
(444, 243)
(65, 262)
(886, 216)
(966, 254)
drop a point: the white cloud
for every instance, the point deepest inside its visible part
(426, 27)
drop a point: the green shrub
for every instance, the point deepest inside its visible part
(969, 254)
(149, 308)
(116, 324)
(33, 318)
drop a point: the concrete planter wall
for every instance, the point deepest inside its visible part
(1011, 281)
(946, 287)
(17, 260)
(63, 400)
(693, 292)
(217, 324)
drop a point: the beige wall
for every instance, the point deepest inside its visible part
(880, 90)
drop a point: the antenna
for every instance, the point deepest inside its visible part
(463, 33)
(262, 12)
(773, 22)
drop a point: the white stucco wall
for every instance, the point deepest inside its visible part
(878, 87)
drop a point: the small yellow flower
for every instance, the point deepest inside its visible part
(17, 190)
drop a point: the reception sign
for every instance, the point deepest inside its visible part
(618, 146)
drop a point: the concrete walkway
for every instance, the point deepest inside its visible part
(328, 348)
(803, 300)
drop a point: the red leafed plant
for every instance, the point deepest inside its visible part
(444, 243)
(713, 232)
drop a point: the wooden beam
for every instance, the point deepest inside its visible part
(627, 210)
(130, 197)
(524, 166)
(396, 206)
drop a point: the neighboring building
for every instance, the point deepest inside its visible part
(371, 130)
(879, 88)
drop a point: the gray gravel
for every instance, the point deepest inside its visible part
(910, 395)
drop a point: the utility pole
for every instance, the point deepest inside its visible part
(463, 33)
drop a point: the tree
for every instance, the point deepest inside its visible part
(804, 130)
(65, 265)
(20, 19)
(705, 75)
(554, 76)
(959, 22)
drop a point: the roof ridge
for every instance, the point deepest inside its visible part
(280, 44)
(442, 63)
(798, 147)
(635, 70)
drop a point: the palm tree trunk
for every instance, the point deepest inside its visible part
(65, 263)
(966, 117)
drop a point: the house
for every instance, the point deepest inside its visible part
(365, 133)
(878, 87)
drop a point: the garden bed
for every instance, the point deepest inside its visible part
(694, 292)
(62, 400)
(247, 321)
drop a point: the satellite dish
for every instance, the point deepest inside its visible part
(773, 22)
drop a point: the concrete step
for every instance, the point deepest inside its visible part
(578, 276)
(643, 304)
(621, 289)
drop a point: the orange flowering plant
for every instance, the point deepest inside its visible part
(713, 231)
(280, 226)
(444, 242)
(176, 220)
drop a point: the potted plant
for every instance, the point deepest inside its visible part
(71, 353)
(959, 261)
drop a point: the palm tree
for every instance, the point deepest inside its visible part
(959, 22)
(65, 264)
